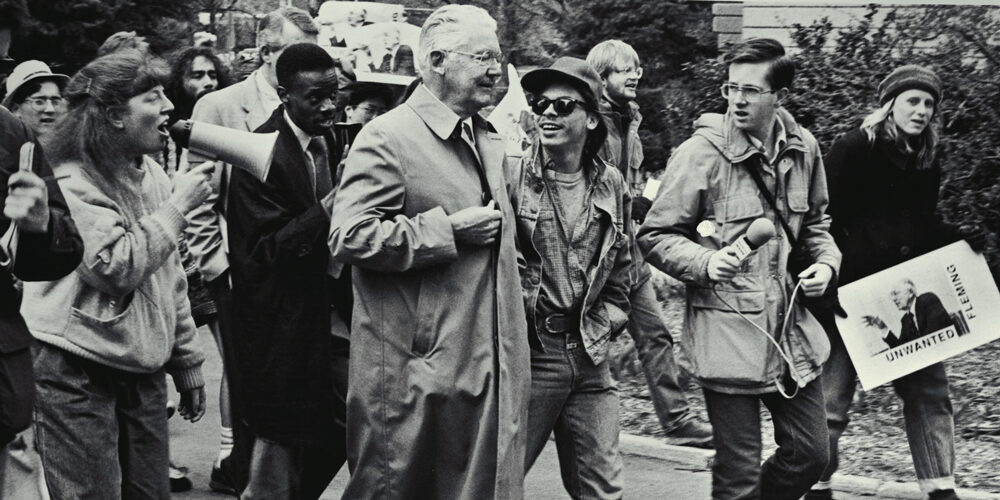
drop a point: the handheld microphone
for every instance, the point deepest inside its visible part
(759, 232)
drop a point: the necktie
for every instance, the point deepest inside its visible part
(470, 140)
(909, 328)
(322, 180)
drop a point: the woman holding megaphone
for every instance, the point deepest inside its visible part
(109, 332)
(884, 179)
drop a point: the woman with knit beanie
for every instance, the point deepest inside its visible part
(884, 179)
(110, 331)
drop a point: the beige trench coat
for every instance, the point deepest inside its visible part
(440, 364)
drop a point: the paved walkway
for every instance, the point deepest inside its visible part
(652, 470)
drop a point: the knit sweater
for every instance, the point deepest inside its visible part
(126, 305)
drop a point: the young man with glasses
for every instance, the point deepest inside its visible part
(753, 162)
(618, 64)
(34, 94)
(573, 226)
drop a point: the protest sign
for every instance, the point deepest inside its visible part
(918, 313)
(508, 115)
(358, 13)
(373, 37)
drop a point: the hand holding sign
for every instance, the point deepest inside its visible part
(925, 310)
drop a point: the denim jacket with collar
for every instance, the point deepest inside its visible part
(605, 305)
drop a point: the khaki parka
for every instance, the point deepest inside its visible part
(707, 201)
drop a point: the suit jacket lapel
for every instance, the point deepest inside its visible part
(290, 156)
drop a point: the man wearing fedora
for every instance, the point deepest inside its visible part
(34, 94)
(573, 226)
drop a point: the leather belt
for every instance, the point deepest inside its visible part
(561, 322)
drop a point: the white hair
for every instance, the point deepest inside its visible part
(447, 27)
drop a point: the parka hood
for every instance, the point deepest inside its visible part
(733, 144)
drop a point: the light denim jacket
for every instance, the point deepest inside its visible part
(605, 304)
(707, 201)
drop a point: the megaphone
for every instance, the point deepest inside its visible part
(245, 150)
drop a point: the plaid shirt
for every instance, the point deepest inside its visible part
(567, 252)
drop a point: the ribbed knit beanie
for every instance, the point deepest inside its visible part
(909, 77)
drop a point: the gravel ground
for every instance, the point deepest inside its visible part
(875, 442)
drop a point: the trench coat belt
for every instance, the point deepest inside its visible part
(561, 322)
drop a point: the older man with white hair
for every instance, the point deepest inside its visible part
(439, 371)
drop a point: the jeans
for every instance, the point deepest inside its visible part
(799, 431)
(655, 347)
(101, 432)
(579, 400)
(930, 426)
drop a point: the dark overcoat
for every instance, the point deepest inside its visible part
(282, 300)
(884, 208)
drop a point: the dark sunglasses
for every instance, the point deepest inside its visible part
(562, 106)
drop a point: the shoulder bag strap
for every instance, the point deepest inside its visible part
(755, 174)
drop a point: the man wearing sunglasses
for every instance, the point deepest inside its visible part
(573, 228)
(737, 307)
(618, 64)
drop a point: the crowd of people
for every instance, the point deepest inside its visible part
(397, 292)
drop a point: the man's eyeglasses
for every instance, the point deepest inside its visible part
(484, 59)
(750, 93)
(562, 106)
(625, 71)
(38, 103)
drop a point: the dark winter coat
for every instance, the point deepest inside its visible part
(40, 257)
(281, 300)
(883, 207)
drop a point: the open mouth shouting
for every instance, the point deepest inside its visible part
(162, 128)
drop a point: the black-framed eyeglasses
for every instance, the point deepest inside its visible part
(562, 105)
(750, 93)
(484, 59)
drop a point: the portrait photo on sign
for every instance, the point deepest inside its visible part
(918, 313)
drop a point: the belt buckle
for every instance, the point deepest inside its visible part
(548, 323)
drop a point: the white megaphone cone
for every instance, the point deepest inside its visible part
(245, 150)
